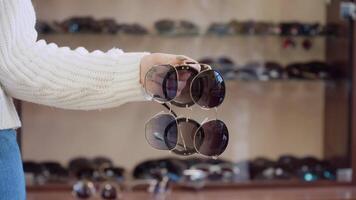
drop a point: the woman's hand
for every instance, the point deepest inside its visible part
(155, 59)
(161, 59)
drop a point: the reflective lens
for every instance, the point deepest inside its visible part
(186, 130)
(161, 83)
(109, 192)
(161, 132)
(212, 138)
(208, 89)
(186, 75)
(84, 189)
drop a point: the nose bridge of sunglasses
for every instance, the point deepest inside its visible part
(204, 67)
(206, 119)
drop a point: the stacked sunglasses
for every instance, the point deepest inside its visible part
(184, 86)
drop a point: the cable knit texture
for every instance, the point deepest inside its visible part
(42, 73)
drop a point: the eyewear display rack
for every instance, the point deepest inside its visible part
(340, 95)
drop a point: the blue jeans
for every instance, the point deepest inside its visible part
(12, 180)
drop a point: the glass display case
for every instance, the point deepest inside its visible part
(288, 67)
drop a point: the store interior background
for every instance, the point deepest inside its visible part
(266, 119)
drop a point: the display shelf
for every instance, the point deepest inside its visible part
(160, 36)
(242, 49)
(155, 35)
(211, 186)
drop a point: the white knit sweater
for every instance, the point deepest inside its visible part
(42, 73)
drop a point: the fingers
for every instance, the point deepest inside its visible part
(188, 61)
(184, 60)
(155, 80)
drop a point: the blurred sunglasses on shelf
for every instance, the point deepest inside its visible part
(224, 65)
(35, 173)
(221, 62)
(194, 178)
(56, 173)
(273, 71)
(115, 174)
(164, 26)
(290, 28)
(249, 28)
(172, 28)
(132, 29)
(221, 29)
(97, 169)
(250, 72)
(301, 29)
(312, 169)
(254, 28)
(101, 162)
(91, 25)
(87, 189)
(222, 172)
(79, 25)
(311, 29)
(108, 26)
(266, 169)
(156, 169)
(44, 28)
(312, 70)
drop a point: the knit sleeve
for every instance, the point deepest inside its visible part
(44, 73)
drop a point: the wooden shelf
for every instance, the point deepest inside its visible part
(213, 186)
(242, 49)
(154, 35)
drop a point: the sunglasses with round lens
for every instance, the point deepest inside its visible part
(185, 137)
(161, 83)
(184, 86)
(186, 130)
(205, 88)
(166, 131)
(161, 131)
(212, 138)
(86, 189)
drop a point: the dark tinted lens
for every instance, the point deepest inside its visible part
(186, 131)
(161, 83)
(186, 75)
(109, 192)
(84, 189)
(212, 138)
(161, 132)
(208, 89)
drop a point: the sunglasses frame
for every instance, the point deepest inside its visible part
(171, 113)
(195, 134)
(177, 118)
(187, 66)
(204, 68)
(149, 93)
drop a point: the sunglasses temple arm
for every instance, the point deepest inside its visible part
(170, 110)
